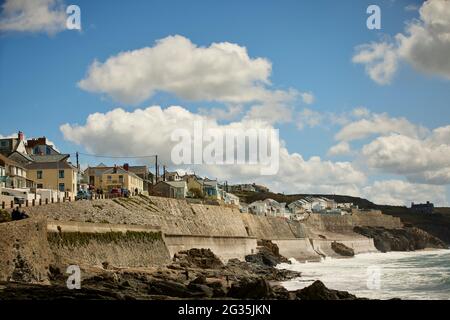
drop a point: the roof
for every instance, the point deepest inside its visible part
(5, 160)
(211, 183)
(176, 184)
(49, 157)
(50, 165)
(120, 170)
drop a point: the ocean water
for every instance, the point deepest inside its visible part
(423, 275)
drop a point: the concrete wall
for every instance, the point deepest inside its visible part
(189, 225)
(346, 223)
(119, 245)
(299, 249)
(24, 252)
(323, 246)
(224, 247)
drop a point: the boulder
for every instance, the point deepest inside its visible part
(198, 258)
(250, 288)
(318, 291)
(342, 249)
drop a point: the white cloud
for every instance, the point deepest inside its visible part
(221, 72)
(425, 45)
(398, 192)
(420, 160)
(307, 97)
(361, 112)
(33, 16)
(120, 132)
(380, 60)
(379, 124)
(309, 118)
(342, 148)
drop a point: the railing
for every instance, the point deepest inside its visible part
(40, 202)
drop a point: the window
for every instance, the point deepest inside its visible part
(48, 150)
(120, 179)
(40, 186)
(39, 174)
(61, 187)
(36, 150)
(109, 178)
(61, 174)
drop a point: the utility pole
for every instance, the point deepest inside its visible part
(164, 172)
(78, 162)
(156, 169)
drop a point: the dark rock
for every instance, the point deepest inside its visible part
(201, 289)
(201, 279)
(198, 258)
(170, 288)
(342, 249)
(405, 239)
(248, 288)
(219, 289)
(318, 291)
(268, 254)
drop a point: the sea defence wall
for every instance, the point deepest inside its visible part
(94, 244)
(226, 231)
(224, 247)
(24, 251)
(346, 223)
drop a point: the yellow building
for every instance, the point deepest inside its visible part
(118, 177)
(60, 176)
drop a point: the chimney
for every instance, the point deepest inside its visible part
(20, 136)
(126, 167)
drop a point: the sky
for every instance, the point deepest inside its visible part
(360, 111)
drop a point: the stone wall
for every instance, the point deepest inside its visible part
(24, 252)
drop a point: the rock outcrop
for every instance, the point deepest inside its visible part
(405, 239)
(268, 254)
(318, 291)
(342, 249)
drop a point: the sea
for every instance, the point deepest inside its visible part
(417, 275)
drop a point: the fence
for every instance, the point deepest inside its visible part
(40, 202)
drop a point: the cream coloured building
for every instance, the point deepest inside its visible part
(118, 177)
(60, 176)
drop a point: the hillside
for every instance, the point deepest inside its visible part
(437, 224)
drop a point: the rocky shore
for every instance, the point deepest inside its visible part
(405, 239)
(193, 274)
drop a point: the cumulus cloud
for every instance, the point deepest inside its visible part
(399, 192)
(33, 16)
(340, 149)
(307, 97)
(221, 72)
(379, 124)
(420, 160)
(120, 132)
(425, 45)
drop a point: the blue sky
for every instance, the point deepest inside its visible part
(310, 45)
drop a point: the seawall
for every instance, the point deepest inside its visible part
(24, 251)
(94, 244)
(226, 231)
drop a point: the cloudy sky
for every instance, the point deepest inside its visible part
(360, 112)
